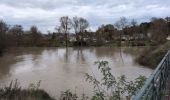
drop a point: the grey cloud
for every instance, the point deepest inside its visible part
(45, 13)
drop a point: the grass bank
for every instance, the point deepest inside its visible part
(152, 56)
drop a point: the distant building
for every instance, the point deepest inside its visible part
(168, 38)
(72, 37)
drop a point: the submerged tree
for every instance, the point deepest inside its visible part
(133, 31)
(121, 25)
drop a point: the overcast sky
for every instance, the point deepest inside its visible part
(45, 14)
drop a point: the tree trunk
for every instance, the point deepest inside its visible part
(66, 38)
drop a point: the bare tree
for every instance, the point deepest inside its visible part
(134, 22)
(121, 25)
(76, 27)
(65, 26)
(80, 25)
(133, 30)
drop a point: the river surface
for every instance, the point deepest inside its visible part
(60, 69)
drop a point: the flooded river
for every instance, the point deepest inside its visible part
(60, 69)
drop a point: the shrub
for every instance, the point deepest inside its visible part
(15, 92)
(109, 87)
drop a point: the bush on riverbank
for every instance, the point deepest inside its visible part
(15, 92)
(152, 56)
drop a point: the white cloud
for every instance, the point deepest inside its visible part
(46, 13)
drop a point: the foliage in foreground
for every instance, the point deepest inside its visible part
(109, 87)
(15, 92)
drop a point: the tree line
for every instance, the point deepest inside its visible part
(76, 32)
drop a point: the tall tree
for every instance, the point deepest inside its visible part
(109, 32)
(3, 30)
(144, 28)
(80, 25)
(133, 31)
(98, 35)
(35, 35)
(105, 33)
(65, 26)
(17, 32)
(158, 30)
(167, 19)
(121, 24)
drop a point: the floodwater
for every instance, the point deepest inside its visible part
(60, 69)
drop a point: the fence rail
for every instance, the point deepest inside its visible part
(155, 85)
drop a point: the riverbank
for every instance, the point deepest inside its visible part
(152, 56)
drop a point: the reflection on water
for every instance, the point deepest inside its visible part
(61, 69)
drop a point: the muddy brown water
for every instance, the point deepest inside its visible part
(60, 69)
